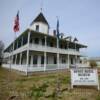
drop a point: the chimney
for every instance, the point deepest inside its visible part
(54, 33)
(62, 34)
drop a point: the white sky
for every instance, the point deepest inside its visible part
(79, 18)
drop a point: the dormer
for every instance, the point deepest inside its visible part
(40, 24)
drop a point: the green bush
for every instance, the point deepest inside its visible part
(37, 92)
(93, 64)
(83, 98)
(98, 97)
(65, 80)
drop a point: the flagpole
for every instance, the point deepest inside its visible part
(58, 78)
(75, 39)
(15, 29)
(75, 56)
(57, 53)
(68, 53)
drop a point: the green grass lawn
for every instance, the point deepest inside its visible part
(42, 86)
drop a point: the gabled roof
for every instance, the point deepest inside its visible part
(40, 18)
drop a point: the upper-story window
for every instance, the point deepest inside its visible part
(36, 40)
(43, 41)
(35, 59)
(37, 28)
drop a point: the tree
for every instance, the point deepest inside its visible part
(93, 64)
(1, 51)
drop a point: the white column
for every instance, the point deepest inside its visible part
(45, 60)
(45, 54)
(39, 60)
(68, 61)
(16, 59)
(27, 61)
(20, 58)
(32, 60)
(58, 60)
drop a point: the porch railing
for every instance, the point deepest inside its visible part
(40, 67)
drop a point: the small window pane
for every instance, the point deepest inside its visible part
(37, 28)
(35, 59)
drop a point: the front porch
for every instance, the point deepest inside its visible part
(40, 61)
(40, 67)
(34, 68)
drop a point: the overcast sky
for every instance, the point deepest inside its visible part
(79, 18)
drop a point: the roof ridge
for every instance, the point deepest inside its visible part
(40, 18)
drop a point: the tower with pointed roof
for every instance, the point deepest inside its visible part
(40, 24)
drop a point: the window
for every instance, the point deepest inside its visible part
(63, 60)
(29, 59)
(42, 59)
(35, 59)
(51, 44)
(36, 40)
(43, 41)
(37, 28)
(31, 39)
(55, 60)
(71, 60)
(61, 46)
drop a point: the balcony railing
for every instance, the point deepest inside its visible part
(37, 47)
(53, 49)
(40, 67)
(37, 67)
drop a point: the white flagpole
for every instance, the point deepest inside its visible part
(75, 56)
(68, 54)
(58, 76)
(57, 53)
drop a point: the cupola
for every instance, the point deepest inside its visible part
(40, 24)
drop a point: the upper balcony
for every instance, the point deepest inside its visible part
(42, 48)
(43, 43)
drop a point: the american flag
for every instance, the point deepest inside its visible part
(16, 23)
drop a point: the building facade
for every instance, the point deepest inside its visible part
(36, 50)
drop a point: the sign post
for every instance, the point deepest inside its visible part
(85, 77)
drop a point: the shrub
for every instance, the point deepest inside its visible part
(83, 98)
(37, 92)
(93, 64)
(98, 97)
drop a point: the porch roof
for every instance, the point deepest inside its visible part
(61, 39)
(48, 36)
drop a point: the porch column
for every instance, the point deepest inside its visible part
(20, 58)
(75, 55)
(32, 60)
(57, 60)
(68, 61)
(12, 59)
(45, 54)
(27, 61)
(16, 59)
(76, 59)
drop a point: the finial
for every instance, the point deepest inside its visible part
(41, 9)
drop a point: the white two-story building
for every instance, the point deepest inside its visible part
(36, 50)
